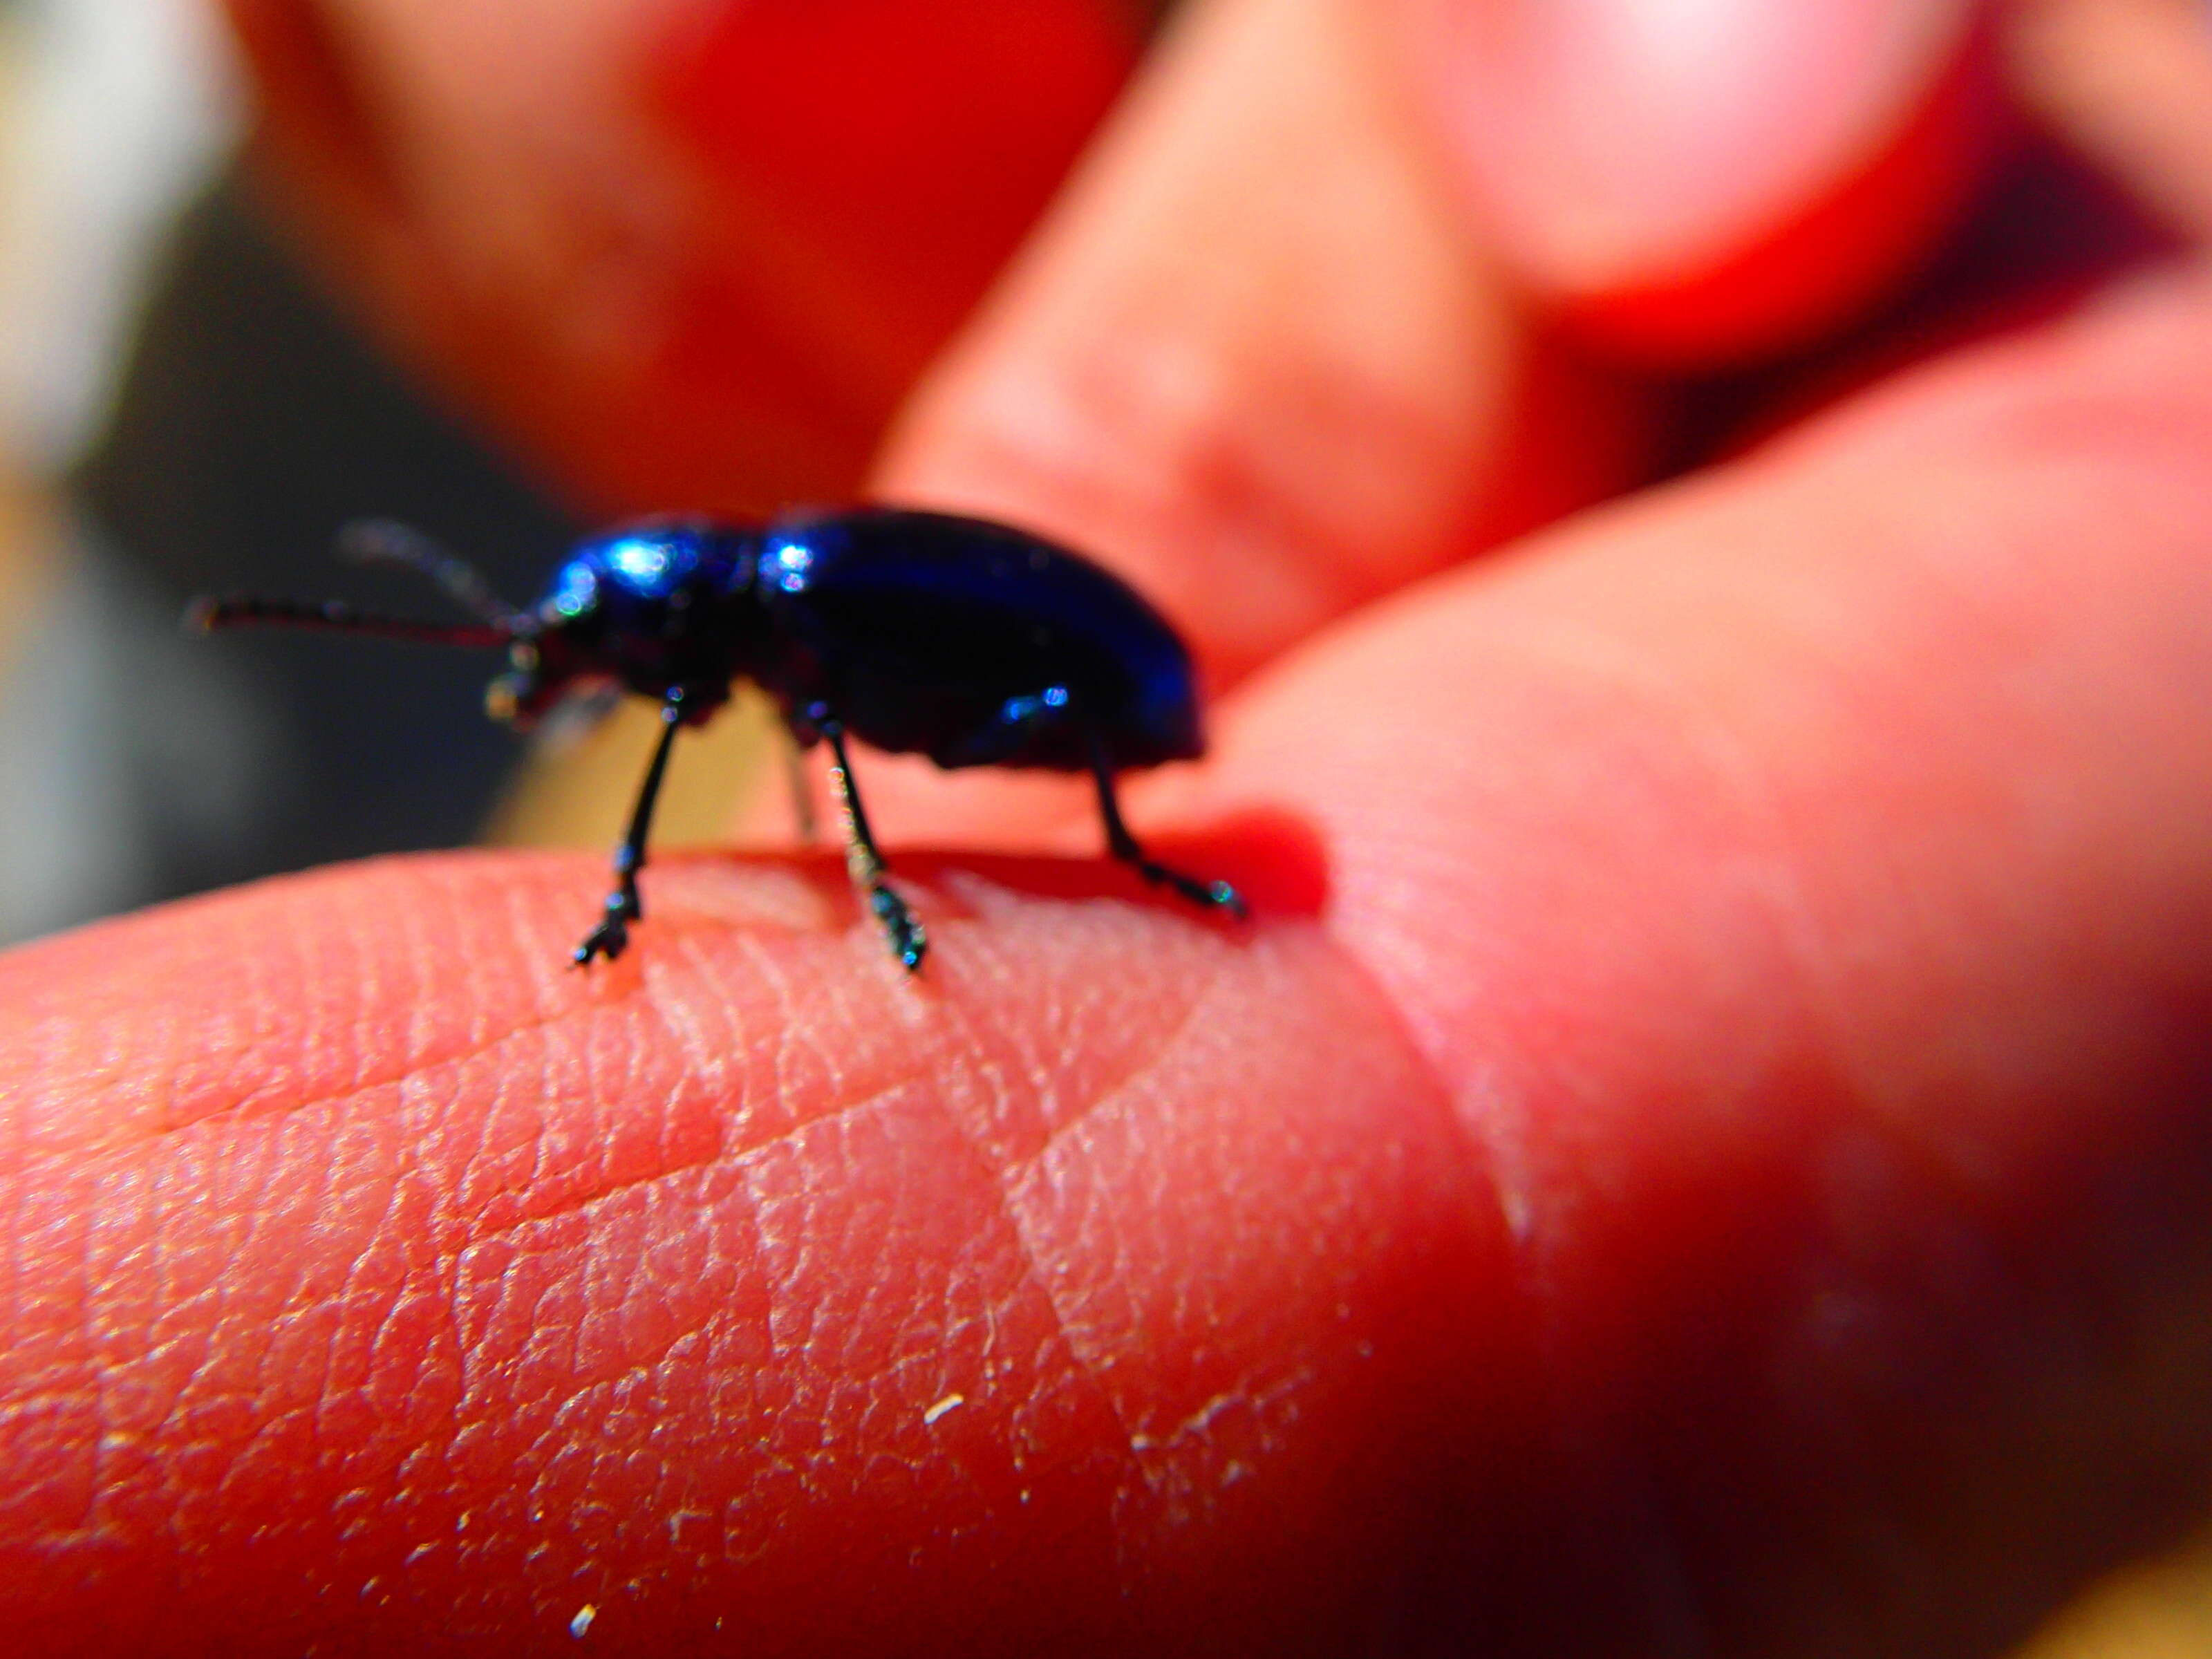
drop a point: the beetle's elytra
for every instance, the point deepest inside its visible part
(967, 641)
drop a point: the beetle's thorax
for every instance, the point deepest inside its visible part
(665, 606)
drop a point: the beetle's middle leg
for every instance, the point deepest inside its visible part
(611, 937)
(865, 863)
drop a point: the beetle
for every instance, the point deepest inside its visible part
(971, 642)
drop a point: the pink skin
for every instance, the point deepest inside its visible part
(1705, 1141)
(1654, 165)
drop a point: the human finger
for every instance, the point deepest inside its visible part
(375, 1280)
(2131, 82)
(1696, 185)
(1277, 350)
(1712, 1150)
(1256, 358)
(676, 255)
(1798, 881)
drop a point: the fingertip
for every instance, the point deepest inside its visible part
(1711, 181)
(1106, 1278)
(1254, 359)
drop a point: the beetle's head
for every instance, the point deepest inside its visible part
(659, 605)
(563, 649)
(532, 686)
(571, 640)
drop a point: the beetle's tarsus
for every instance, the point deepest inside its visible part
(864, 865)
(611, 937)
(1207, 895)
(910, 939)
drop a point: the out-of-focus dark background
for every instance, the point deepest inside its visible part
(186, 409)
(187, 403)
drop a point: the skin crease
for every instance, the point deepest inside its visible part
(522, 1343)
(1703, 1149)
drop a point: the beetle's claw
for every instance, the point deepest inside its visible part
(909, 940)
(1222, 897)
(1207, 895)
(611, 937)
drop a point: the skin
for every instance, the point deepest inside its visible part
(1703, 1149)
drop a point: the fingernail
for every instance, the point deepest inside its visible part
(1608, 143)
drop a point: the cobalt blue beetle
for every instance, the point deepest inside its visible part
(970, 642)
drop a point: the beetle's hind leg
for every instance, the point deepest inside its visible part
(1208, 894)
(611, 937)
(865, 865)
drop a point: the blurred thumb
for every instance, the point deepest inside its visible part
(1707, 180)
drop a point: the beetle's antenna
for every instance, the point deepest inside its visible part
(206, 614)
(385, 541)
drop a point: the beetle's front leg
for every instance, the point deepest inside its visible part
(611, 937)
(864, 865)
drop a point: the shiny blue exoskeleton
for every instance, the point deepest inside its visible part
(970, 642)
